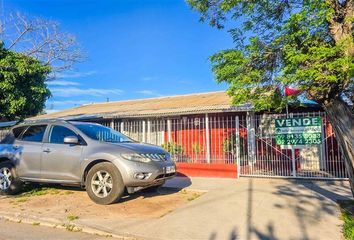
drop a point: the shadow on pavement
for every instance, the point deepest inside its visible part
(36, 189)
(232, 236)
(308, 207)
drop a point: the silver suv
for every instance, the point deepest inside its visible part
(102, 160)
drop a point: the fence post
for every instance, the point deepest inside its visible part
(238, 146)
(207, 138)
(112, 123)
(149, 131)
(293, 160)
(122, 126)
(144, 131)
(251, 136)
(169, 130)
(323, 159)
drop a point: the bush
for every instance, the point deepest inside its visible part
(197, 148)
(173, 148)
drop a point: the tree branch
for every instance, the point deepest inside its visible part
(42, 40)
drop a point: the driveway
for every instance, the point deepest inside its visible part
(247, 208)
(251, 208)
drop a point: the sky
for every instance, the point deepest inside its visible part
(135, 49)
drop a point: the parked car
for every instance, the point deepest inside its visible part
(90, 155)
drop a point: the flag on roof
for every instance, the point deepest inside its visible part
(291, 91)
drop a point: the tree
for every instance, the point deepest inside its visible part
(23, 91)
(32, 51)
(303, 43)
(41, 39)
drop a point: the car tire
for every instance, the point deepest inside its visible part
(10, 184)
(104, 183)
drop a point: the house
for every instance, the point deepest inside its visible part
(208, 136)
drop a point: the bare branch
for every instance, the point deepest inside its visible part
(42, 39)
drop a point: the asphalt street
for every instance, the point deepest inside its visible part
(19, 231)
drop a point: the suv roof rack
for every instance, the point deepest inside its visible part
(81, 117)
(50, 120)
(68, 118)
(30, 121)
(8, 124)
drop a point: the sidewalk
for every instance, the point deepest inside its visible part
(251, 208)
(247, 208)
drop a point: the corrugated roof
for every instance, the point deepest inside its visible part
(151, 107)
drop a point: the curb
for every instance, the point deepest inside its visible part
(73, 227)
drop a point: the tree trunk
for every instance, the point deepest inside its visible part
(342, 120)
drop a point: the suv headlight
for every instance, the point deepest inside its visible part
(136, 157)
(168, 157)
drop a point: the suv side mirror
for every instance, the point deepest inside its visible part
(71, 140)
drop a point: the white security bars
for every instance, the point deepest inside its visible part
(247, 139)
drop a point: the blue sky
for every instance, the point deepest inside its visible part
(135, 49)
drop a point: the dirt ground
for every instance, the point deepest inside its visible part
(70, 204)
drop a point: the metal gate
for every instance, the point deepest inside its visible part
(264, 158)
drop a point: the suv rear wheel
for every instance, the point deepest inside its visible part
(104, 183)
(10, 184)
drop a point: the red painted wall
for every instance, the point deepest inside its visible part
(207, 170)
(191, 136)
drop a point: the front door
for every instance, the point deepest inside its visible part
(61, 162)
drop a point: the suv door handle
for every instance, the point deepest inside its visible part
(47, 150)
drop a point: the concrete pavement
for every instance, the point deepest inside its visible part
(19, 231)
(249, 208)
(246, 209)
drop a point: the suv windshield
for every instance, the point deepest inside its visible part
(101, 133)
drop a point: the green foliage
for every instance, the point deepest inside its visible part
(197, 148)
(23, 91)
(72, 217)
(229, 145)
(172, 147)
(347, 209)
(283, 43)
(33, 191)
(348, 226)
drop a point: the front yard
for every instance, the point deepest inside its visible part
(71, 207)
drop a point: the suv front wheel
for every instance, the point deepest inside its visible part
(10, 184)
(104, 183)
